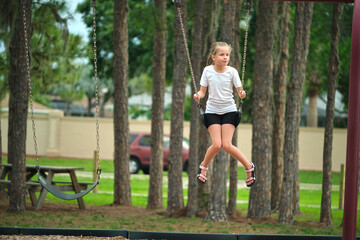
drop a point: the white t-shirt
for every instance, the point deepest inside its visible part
(220, 87)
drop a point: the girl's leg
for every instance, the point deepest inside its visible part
(215, 135)
(227, 131)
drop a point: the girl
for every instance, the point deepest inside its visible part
(221, 112)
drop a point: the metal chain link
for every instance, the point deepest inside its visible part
(248, 6)
(98, 171)
(28, 78)
(27, 53)
(186, 46)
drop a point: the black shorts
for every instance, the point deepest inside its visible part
(227, 118)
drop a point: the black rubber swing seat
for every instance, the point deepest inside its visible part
(66, 196)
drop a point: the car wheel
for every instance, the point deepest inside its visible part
(146, 170)
(134, 165)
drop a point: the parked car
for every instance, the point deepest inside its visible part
(140, 152)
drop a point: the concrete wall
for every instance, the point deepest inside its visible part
(75, 137)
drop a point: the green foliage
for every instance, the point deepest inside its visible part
(345, 50)
(54, 50)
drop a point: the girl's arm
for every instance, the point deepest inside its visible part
(241, 92)
(200, 94)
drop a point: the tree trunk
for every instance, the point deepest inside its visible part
(303, 17)
(312, 113)
(334, 68)
(3, 194)
(217, 203)
(313, 92)
(235, 62)
(18, 109)
(192, 204)
(260, 199)
(122, 189)
(67, 111)
(155, 199)
(175, 194)
(89, 105)
(210, 17)
(279, 82)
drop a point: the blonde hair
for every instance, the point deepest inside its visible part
(214, 48)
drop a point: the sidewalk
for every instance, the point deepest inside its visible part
(185, 180)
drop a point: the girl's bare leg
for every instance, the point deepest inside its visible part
(215, 135)
(227, 131)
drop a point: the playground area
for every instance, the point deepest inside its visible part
(137, 218)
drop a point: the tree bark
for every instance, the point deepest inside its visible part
(303, 17)
(235, 62)
(122, 189)
(313, 92)
(155, 199)
(175, 194)
(260, 199)
(217, 203)
(18, 108)
(334, 68)
(192, 204)
(279, 82)
(210, 18)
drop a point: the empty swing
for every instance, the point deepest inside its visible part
(201, 109)
(48, 186)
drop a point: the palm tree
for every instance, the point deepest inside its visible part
(122, 189)
(334, 68)
(259, 203)
(155, 199)
(289, 191)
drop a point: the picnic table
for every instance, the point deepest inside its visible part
(48, 172)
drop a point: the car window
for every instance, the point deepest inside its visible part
(132, 137)
(166, 142)
(145, 141)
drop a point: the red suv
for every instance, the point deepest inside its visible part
(140, 152)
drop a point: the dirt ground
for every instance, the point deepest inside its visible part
(131, 218)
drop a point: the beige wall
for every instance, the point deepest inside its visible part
(75, 137)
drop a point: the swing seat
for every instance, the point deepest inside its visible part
(238, 116)
(66, 196)
(202, 115)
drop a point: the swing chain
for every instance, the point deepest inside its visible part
(28, 77)
(187, 48)
(248, 7)
(98, 171)
(27, 57)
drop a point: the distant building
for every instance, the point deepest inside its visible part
(74, 109)
(340, 115)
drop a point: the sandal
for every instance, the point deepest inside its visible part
(201, 175)
(252, 178)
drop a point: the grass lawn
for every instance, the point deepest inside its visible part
(310, 201)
